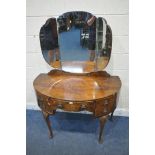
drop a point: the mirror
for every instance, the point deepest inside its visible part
(74, 41)
(77, 42)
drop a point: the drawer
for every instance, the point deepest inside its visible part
(79, 106)
(45, 106)
(43, 103)
(105, 106)
(71, 106)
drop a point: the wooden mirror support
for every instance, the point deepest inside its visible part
(76, 85)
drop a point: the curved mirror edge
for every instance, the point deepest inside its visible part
(104, 45)
(49, 43)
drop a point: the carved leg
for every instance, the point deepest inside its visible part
(46, 117)
(102, 123)
(111, 116)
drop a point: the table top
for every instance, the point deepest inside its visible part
(75, 86)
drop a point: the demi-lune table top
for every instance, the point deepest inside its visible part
(75, 86)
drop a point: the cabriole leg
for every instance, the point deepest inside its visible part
(111, 116)
(46, 117)
(102, 123)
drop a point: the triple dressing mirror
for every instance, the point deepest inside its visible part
(76, 42)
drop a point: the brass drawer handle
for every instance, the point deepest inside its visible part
(60, 106)
(49, 99)
(83, 107)
(106, 102)
(105, 110)
(70, 102)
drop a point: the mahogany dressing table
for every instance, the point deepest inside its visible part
(77, 81)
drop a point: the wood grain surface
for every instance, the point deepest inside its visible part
(77, 87)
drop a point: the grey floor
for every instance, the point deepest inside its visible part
(76, 134)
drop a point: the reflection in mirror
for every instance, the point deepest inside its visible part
(49, 43)
(76, 42)
(103, 43)
(77, 36)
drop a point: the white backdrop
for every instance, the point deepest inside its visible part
(116, 14)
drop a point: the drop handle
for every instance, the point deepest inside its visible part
(106, 102)
(83, 107)
(60, 106)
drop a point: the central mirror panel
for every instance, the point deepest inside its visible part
(76, 42)
(77, 39)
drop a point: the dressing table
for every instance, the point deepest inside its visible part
(77, 45)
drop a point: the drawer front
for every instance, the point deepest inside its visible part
(105, 106)
(44, 104)
(71, 106)
(99, 107)
(49, 104)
